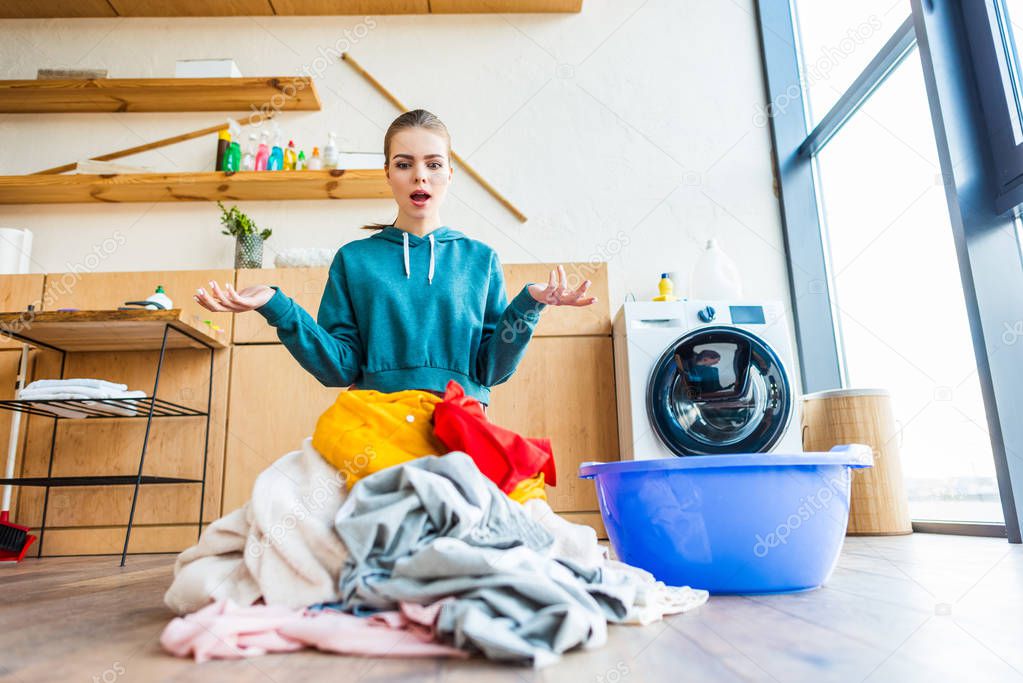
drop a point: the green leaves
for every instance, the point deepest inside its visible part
(237, 223)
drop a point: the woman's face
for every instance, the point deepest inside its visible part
(418, 171)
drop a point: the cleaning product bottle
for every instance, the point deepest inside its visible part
(666, 288)
(715, 276)
(223, 142)
(233, 154)
(330, 151)
(300, 164)
(262, 152)
(249, 158)
(160, 297)
(276, 160)
(315, 162)
(289, 156)
(233, 157)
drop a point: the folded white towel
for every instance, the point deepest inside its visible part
(77, 392)
(77, 382)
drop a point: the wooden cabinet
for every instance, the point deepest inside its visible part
(274, 405)
(264, 404)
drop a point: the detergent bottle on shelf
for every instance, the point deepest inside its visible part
(223, 142)
(666, 288)
(276, 160)
(715, 277)
(233, 154)
(330, 151)
(315, 162)
(262, 152)
(300, 162)
(289, 156)
(160, 297)
(249, 158)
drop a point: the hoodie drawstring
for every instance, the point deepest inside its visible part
(407, 271)
(430, 275)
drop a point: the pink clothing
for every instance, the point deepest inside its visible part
(223, 630)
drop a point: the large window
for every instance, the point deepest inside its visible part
(899, 179)
(899, 298)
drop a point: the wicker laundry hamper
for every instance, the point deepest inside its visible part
(878, 506)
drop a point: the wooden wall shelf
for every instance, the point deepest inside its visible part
(207, 186)
(287, 93)
(27, 9)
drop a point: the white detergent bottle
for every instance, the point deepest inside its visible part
(715, 276)
(330, 151)
(160, 297)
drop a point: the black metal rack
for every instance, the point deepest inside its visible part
(148, 408)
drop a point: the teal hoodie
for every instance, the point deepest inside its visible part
(406, 312)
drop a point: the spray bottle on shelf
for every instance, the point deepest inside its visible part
(249, 158)
(289, 156)
(300, 163)
(233, 155)
(330, 151)
(315, 162)
(262, 152)
(276, 160)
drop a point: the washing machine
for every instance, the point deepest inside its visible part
(704, 378)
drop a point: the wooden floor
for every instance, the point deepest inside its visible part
(902, 609)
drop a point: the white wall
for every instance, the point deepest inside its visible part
(626, 133)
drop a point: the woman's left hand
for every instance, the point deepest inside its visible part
(557, 293)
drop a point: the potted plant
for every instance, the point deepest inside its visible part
(248, 247)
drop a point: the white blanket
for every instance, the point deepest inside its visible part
(281, 545)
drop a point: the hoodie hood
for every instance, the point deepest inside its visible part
(410, 241)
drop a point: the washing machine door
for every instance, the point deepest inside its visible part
(718, 390)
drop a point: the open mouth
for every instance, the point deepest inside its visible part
(419, 197)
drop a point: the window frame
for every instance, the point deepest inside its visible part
(979, 203)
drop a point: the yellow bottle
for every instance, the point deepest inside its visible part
(666, 289)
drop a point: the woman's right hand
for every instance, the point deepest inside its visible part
(228, 300)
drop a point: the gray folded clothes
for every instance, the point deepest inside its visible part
(435, 527)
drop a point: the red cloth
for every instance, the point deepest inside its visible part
(504, 457)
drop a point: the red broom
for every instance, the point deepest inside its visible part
(14, 538)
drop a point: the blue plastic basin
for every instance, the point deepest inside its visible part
(749, 523)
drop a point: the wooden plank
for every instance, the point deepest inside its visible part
(503, 6)
(564, 390)
(107, 330)
(283, 93)
(340, 7)
(39, 9)
(267, 424)
(205, 186)
(192, 8)
(590, 519)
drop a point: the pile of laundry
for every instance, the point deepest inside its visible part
(86, 393)
(367, 542)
